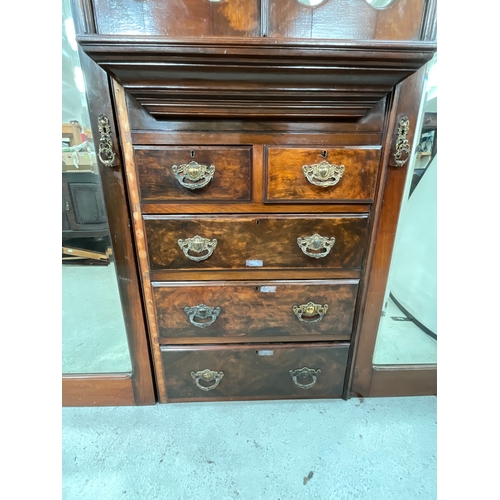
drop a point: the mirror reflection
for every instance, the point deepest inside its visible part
(408, 326)
(93, 329)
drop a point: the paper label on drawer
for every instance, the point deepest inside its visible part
(265, 353)
(254, 263)
(268, 289)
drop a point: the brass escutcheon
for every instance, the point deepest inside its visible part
(105, 153)
(403, 148)
(310, 310)
(197, 244)
(323, 174)
(315, 243)
(202, 312)
(207, 376)
(304, 373)
(193, 175)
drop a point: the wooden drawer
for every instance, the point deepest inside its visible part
(260, 371)
(258, 241)
(228, 180)
(250, 311)
(356, 174)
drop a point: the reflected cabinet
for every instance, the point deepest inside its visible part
(255, 156)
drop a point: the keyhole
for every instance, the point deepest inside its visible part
(324, 154)
(256, 288)
(192, 154)
(257, 222)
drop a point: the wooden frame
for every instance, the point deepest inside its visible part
(136, 387)
(367, 379)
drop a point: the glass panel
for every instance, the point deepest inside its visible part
(408, 326)
(93, 329)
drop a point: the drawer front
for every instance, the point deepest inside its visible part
(271, 242)
(321, 175)
(253, 310)
(197, 173)
(254, 372)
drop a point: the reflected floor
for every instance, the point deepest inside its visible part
(402, 342)
(93, 330)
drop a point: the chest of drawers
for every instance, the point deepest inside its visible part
(255, 169)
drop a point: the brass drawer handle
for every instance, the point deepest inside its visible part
(304, 373)
(197, 245)
(310, 310)
(316, 243)
(193, 175)
(202, 312)
(207, 376)
(323, 174)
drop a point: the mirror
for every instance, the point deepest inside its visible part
(93, 329)
(408, 327)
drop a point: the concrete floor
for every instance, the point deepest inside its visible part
(373, 449)
(401, 342)
(93, 329)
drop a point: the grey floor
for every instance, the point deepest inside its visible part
(373, 449)
(401, 342)
(93, 330)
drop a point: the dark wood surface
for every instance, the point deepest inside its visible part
(83, 205)
(286, 181)
(98, 390)
(249, 373)
(148, 130)
(404, 380)
(231, 180)
(379, 260)
(349, 19)
(190, 18)
(243, 240)
(224, 77)
(253, 310)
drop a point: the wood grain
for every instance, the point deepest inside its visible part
(346, 20)
(257, 78)
(388, 207)
(243, 240)
(98, 390)
(252, 310)
(190, 18)
(140, 243)
(286, 181)
(248, 374)
(157, 182)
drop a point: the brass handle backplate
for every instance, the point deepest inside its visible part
(207, 376)
(197, 245)
(403, 148)
(311, 245)
(310, 310)
(323, 174)
(106, 153)
(304, 373)
(193, 175)
(202, 312)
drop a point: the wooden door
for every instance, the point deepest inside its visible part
(95, 210)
